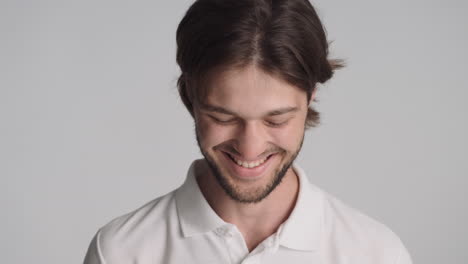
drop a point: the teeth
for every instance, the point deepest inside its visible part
(249, 164)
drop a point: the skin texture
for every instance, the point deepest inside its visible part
(250, 115)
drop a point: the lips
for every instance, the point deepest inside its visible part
(247, 164)
(245, 171)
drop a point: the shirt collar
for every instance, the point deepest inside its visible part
(301, 231)
(195, 214)
(303, 228)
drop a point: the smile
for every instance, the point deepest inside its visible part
(246, 164)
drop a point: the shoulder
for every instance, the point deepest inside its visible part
(128, 236)
(358, 236)
(152, 212)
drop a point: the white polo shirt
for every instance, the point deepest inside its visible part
(181, 227)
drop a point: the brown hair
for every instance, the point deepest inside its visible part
(284, 38)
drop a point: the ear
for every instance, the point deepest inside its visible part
(312, 96)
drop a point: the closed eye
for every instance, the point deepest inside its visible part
(223, 121)
(277, 124)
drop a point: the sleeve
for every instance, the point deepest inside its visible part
(94, 256)
(404, 257)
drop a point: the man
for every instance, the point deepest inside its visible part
(249, 74)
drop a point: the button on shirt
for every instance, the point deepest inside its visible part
(181, 227)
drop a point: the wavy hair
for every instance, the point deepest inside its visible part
(284, 38)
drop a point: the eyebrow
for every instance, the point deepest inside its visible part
(222, 110)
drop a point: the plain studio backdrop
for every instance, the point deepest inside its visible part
(92, 126)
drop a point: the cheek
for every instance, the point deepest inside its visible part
(290, 136)
(210, 134)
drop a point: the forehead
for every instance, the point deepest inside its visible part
(251, 90)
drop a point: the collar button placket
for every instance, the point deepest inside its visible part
(217, 231)
(255, 259)
(236, 245)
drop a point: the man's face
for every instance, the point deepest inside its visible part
(250, 128)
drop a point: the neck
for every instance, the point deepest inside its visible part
(256, 221)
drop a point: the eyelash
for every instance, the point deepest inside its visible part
(272, 124)
(223, 122)
(227, 122)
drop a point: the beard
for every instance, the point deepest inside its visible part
(248, 196)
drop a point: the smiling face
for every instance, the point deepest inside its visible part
(250, 128)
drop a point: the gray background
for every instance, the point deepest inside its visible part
(92, 127)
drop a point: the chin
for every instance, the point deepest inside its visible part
(248, 185)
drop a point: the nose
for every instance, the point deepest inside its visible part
(251, 141)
